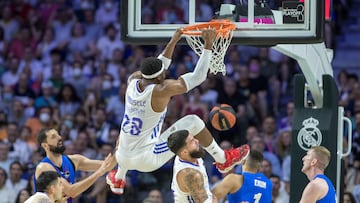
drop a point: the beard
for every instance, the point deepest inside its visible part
(197, 154)
(57, 149)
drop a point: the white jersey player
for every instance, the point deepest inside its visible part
(190, 181)
(142, 146)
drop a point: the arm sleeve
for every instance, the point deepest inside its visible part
(165, 61)
(199, 74)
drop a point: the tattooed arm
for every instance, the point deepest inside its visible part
(192, 181)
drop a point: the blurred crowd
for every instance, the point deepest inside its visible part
(64, 65)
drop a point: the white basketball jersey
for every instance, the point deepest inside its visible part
(180, 196)
(141, 125)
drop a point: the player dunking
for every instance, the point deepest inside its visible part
(141, 145)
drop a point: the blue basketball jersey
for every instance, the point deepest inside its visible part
(330, 197)
(67, 171)
(256, 188)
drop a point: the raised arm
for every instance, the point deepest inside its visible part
(190, 80)
(193, 182)
(166, 55)
(134, 75)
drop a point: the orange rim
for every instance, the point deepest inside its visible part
(221, 26)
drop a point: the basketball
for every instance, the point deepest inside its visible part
(222, 117)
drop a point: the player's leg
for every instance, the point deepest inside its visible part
(116, 179)
(226, 160)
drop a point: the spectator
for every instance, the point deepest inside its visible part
(17, 113)
(78, 79)
(258, 85)
(80, 122)
(11, 76)
(257, 143)
(46, 97)
(23, 39)
(169, 13)
(9, 23)
(229, 95)
(109, 42)
(7, 194)
(107, 13)
(22, 196)
(208, 95)
(269, 133)
(155, 195)
(195, 106)
(3, 45)
(115, 107)
(82, 144)
(3, 125)
(102, 127)
(68, 100)
(287, 121)
(19, 150)
(349, 197)
(62, 22)
(46, 44)
(279, 195)
(116, 63)
(5, 160)
(79, 43)
(283, 144)
(93, 29)
(30, 62)
(251, 132)
(43, 118)
(15, 182)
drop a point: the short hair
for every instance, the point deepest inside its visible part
(42, 135)
(46, 179)
(177, 140)
(275, 176)
(150, 65)
(323, 156)
(16, 163)
(254, 159)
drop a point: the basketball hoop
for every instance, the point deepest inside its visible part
(224, 33)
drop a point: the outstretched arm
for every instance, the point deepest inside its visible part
(226, 186)
(73, 190)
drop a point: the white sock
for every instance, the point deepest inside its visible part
(216, 152)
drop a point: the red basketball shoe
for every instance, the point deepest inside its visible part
(234, 157)
(116, 186)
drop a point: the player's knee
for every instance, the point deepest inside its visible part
(194, 124)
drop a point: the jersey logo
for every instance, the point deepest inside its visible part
(309, 135)
(260, 183)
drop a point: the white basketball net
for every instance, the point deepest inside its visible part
(219, 48)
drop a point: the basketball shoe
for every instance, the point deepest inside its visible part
(233, 157)
(116, 186)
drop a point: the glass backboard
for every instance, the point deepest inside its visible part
(258, 22)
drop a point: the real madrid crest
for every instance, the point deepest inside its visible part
(309, 135)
